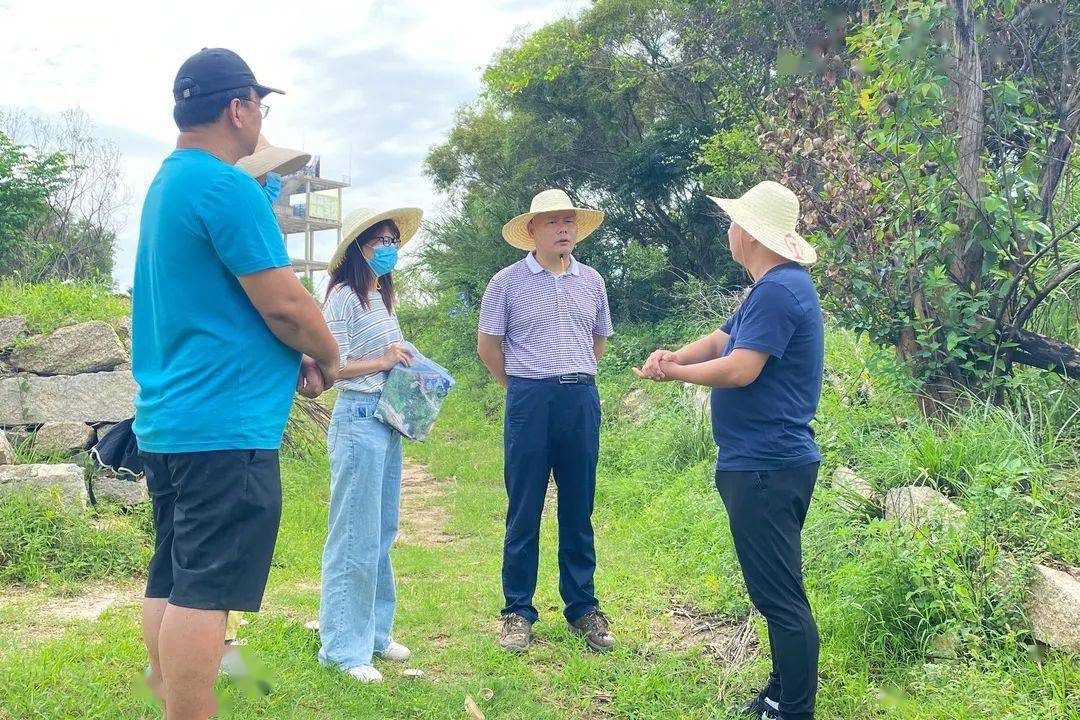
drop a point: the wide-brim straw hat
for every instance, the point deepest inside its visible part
(269, 158)
(770, 213)
(516, 232)
(356, 222)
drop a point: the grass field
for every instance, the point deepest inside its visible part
(689, 648)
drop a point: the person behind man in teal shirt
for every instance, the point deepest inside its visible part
(219, 326)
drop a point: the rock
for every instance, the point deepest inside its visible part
(123, 366)
(852, 486)
(945, 646)
(106, 488)
(11, 329)
(412, 673)
(88, 398)
(7, 454)
(84, 348)
(63, 437)
(68, 479)
(6, 370)
(1053, 607)
(700, 397)
(918, 505)
(123, 328)
(103, 429)
(634, 406)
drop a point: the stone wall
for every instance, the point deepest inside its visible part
(58, 392)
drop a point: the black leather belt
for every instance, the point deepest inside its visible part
(576, 379)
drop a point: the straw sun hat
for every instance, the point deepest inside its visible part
(770, 212)
(407, 221)
(516, 232)
(268, 158)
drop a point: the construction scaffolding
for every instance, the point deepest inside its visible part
(320, 211)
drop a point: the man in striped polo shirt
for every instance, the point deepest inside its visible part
(544, 322)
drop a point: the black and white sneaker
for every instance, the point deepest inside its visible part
(760, 705)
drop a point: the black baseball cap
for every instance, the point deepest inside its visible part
(214, 70)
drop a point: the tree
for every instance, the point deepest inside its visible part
(617, 106)
(933, 151)
(27, 179)
(75, 237)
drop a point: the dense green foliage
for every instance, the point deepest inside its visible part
(942, 239)
(923, 245)
(26, 181)
(636, 108)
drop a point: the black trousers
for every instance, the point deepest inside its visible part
(550, 429)
(766, 510)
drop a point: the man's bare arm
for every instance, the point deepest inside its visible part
(489, 347)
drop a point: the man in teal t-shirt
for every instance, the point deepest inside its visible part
(219, 326)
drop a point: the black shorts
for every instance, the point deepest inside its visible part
(216, 518)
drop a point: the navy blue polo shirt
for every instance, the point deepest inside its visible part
(766, 425)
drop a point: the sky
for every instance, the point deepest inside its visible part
(373, 82)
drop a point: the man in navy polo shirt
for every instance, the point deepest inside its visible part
(765, 365)
(544, 322)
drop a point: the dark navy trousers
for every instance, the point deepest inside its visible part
(550, 429)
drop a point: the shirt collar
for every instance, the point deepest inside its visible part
(536, 267)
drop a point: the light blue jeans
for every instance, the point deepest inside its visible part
(356, 613)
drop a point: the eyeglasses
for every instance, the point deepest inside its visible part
(385, 241)
(264, 110)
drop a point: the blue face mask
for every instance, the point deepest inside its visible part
(384, 260)
(272, 188)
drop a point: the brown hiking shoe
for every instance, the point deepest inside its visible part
(516, 634)
(594, 626)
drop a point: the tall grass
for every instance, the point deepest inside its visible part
(49, 306)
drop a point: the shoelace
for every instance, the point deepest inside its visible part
(597, 623)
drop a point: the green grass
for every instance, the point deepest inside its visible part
(881, 595)
(49, 306)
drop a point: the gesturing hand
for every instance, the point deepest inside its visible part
(651, 369)
(397, 353)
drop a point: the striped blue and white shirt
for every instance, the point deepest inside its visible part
(361, 334)
(547, 322)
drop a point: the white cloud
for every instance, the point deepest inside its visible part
(374, 80)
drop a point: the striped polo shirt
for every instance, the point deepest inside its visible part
(361, 334)
(547, 322)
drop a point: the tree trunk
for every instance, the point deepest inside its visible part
(1039, 351)
(967, 251)
(1057, 155)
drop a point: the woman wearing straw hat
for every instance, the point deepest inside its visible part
(268, 164)
(358, 599)
(765, 365)
(544, 323)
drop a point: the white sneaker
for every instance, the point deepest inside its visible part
(395, 651)
(366, 674)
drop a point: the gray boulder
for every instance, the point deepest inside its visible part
(1053, 606)
(63, 437)
(84, 348)
(7, 454)
(107, 488)
(11, 329)
(68, 479)
(854, 490)
(700, 397)
(88, 398)
(123, 331)
(917, 506)
(634, 406)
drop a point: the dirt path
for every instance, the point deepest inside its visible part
(424, 507)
